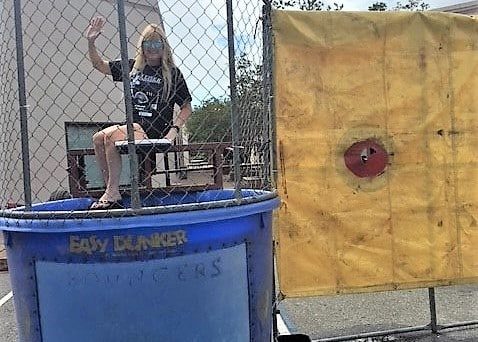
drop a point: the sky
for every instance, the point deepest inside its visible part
(362, 5)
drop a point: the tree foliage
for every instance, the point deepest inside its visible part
(210, 122)
(410, 5)
(306, 5)
(378, 7)
(249, 93)
(283, 4)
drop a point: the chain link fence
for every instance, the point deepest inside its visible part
(66, 100)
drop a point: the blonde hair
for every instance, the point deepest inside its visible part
(155, 32)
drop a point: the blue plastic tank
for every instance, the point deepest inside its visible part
(185, 267)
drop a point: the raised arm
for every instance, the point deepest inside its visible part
(94, 30)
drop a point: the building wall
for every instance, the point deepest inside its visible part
(470, 8)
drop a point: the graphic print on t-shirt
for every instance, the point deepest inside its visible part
(145, 91)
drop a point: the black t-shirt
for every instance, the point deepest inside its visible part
(149, 110)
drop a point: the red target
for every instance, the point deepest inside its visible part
(366, 158)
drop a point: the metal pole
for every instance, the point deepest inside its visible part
(133, 158)
(266, 136)
(161, 22)
(433, 311)
(271, 125)
(178, 156)
(457, 325)
(267, 92)
(22, 99)
(275, 311)
(234, 100)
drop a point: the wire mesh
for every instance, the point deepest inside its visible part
(68, 101)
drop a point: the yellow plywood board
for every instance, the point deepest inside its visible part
(407, 82)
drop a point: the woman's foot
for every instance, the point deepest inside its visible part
(107, 201)
(106, 205)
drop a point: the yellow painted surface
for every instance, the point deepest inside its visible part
(410, 81)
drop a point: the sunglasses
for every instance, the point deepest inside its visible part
(153, 45)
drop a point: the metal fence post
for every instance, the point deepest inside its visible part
(267, 138)
(133, 158)
(433, 311)
(234, 105)
(23, 105)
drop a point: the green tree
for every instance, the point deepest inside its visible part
(283, 4)
(210, 122)
(249, 93)
(306, 5)
(378, 7)
(410, 5)
(311, 5)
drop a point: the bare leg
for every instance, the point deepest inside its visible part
(99, 146)
(109, 159)
(113, 160)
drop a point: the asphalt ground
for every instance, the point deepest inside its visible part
(326, 317)
(8, 328)
(345, 315)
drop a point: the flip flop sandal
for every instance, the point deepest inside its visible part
(106, 205)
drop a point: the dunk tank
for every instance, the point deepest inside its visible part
(189, 256)
(386, 137)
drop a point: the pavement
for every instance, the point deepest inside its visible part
(345, 315)
(8, 328)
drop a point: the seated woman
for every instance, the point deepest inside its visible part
(156, 86)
